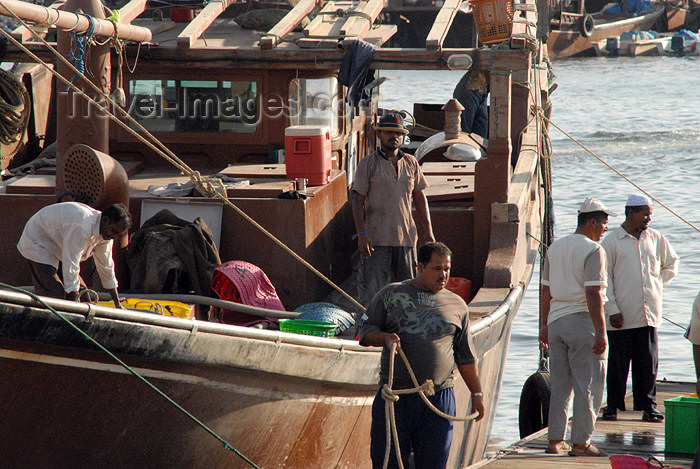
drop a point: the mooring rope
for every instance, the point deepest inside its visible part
(622, 175)
(392, 395)
(226, 444)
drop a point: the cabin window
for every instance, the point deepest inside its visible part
(194, 106)
(314, 102)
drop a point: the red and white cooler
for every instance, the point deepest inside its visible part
(307, 151)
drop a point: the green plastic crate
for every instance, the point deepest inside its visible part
(682, 424)
(308, 327)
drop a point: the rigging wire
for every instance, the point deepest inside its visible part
(623, 176)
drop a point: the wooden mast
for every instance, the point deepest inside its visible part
(66, 18)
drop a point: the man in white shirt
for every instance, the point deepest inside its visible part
(641, 262)
(68, 233)
(572, 326)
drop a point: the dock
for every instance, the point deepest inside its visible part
(627, 435)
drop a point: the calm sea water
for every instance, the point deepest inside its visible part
(641, 116)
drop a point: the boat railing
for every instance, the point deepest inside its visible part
(92, 312)
(487, 331)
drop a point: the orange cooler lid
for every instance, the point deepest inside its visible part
(306, 130)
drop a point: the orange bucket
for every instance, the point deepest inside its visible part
(460, 286)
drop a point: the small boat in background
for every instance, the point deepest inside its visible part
(634, 44)
(685, 42)
(578, 31)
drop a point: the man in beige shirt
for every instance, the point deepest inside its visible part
(386, 183)
(641, 262)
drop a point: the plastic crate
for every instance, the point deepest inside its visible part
(308, 327)
(682, 424)
(493, 19)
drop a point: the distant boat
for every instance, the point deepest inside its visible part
(637, 43)
(634, 44)
(575, 33)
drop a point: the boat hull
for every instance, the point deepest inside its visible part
(80, 409)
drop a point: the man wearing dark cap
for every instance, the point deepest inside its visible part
(572, 326)
(386, 182)
(641, 262)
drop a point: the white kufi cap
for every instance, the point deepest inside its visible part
(638, 200)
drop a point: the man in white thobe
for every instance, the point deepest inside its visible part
(641, 262)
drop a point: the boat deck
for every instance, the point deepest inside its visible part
(628, 435)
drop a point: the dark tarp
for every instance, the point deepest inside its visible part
(354, 71)
(171, 255)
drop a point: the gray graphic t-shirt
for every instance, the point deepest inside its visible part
(433, 328)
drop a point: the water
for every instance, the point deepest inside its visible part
(641, 116)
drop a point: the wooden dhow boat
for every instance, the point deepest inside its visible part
(577, 32)
(279, 399)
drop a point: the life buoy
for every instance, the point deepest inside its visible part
(587, 25)
(533, 414)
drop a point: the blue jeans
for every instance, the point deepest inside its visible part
(420, 430)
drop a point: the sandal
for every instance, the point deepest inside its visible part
(561, 449)
(590, 450)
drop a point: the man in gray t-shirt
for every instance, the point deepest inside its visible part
(430, 324)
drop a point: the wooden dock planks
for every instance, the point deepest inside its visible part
(628, 435)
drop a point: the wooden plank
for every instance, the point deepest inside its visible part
(372, 10)
(132, 10)
(435, 168)
(287, 24)
(262, 189)
(319, 19)
(200, 24)
(23, 34)
(442, 24)
(256, 171)
(450, 187)
(524, 26)
(628, 435)
(32, 184)
(350, 22)
(377, 36)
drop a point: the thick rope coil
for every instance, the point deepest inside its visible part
(15, 106)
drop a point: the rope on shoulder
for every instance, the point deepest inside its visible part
(390, 396)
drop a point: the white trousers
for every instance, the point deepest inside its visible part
(574, 369)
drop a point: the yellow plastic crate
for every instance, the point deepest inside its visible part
(164, 307)
(493, 19)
